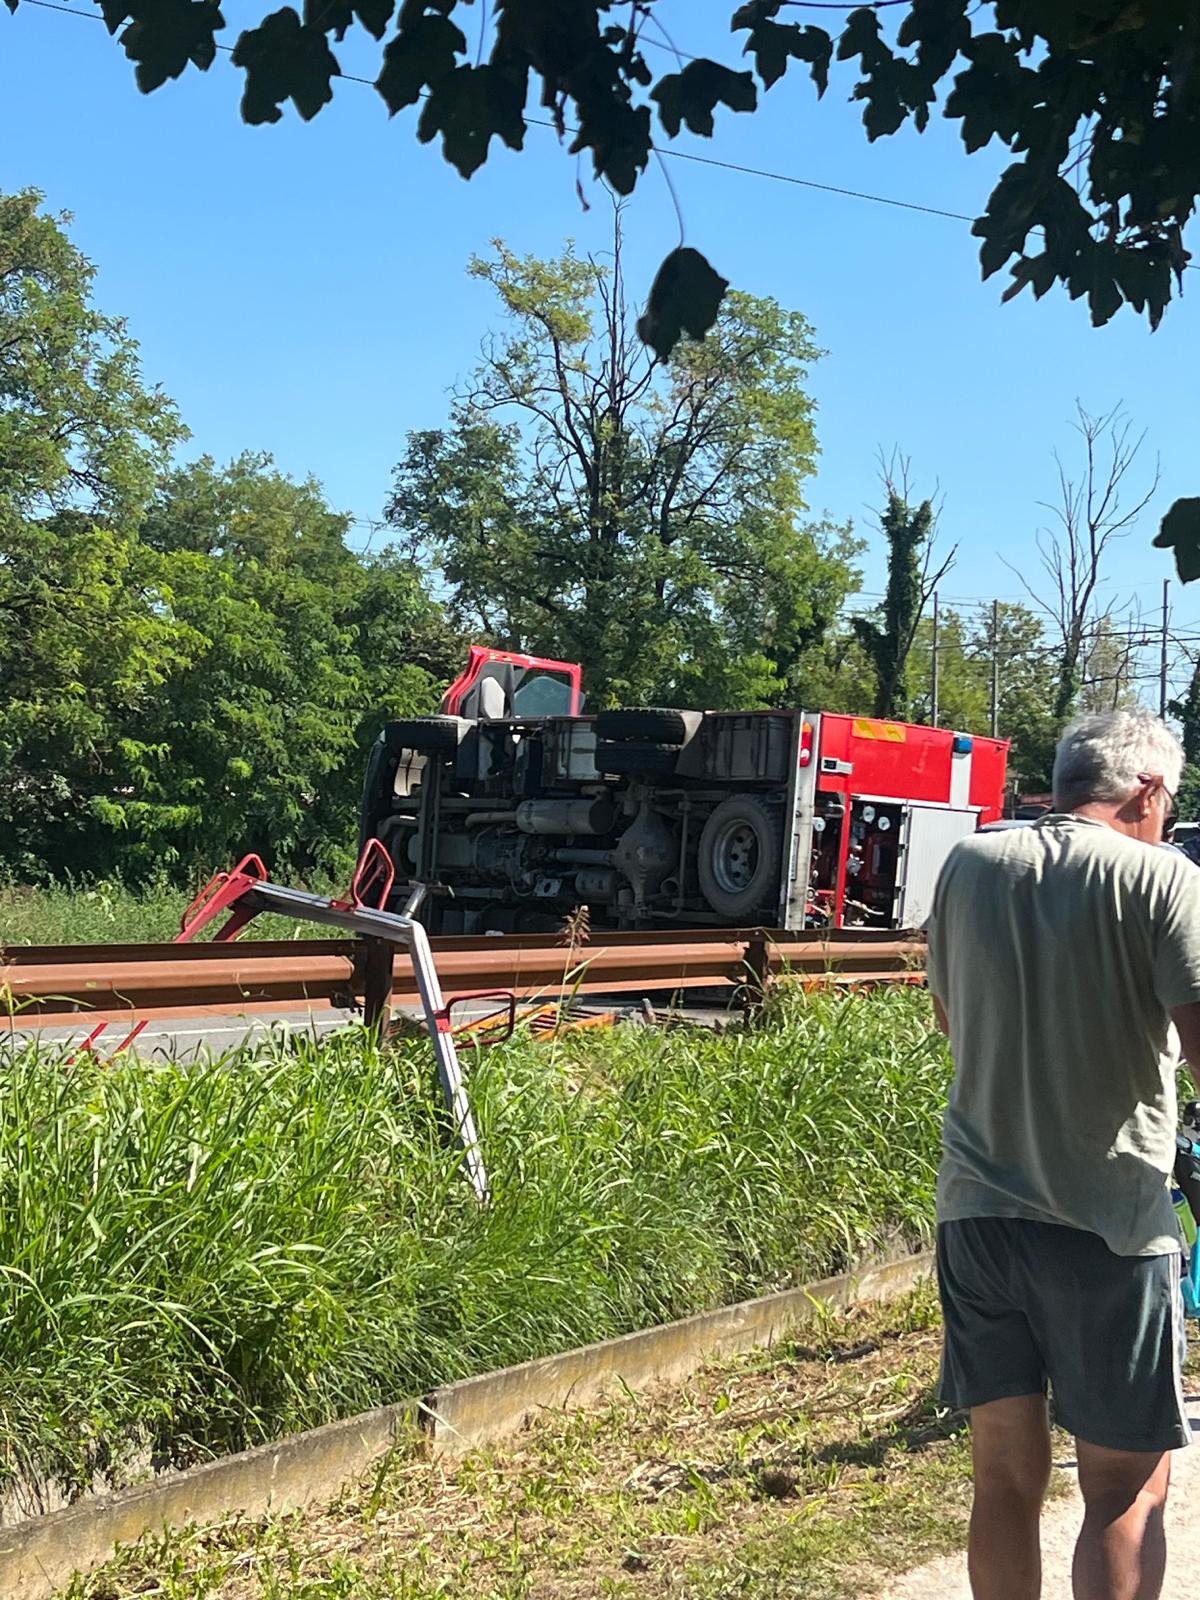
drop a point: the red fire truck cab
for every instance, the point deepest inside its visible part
(520, 808)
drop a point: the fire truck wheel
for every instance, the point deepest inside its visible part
(739, 856)
(642, 724)
(635, 760)
(426, 735)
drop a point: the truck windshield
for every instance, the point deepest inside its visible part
(543, 695)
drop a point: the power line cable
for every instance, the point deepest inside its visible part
(669, 152)
(678, 155)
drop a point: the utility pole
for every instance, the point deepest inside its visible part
(1162, 659)
(995, 669)
(933, 671)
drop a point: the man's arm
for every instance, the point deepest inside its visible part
(1187, 1025)
(943, 1023)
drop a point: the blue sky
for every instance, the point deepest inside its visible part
(301, 288)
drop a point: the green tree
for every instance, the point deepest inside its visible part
(207, 685)
(592, 504)
(83, 645)
(1108, 670)
(963, 680)
(192, 662)
(1025, 674)
(842, 678)
(305, 649)
(909, 531)
(79, 428)
(1187, 711)
(1027, 666)
(93, 648)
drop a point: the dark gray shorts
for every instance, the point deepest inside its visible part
(1030, 1306)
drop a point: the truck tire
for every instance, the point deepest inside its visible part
(425, 735)
(739, 856)
(635, 760)
(377, 791)
(642, 724)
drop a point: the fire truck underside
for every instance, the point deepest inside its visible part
(661, 817)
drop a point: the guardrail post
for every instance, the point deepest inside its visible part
(757, 963)
(377, 982)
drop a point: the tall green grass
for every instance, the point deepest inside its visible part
(199, 1257)
(107, 911)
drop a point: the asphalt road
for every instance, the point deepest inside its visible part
(191, 1038)
(185, 1039)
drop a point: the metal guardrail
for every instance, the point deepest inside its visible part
(47, 985)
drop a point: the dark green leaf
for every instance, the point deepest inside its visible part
(684, 298)
(989, 94)
(619, 139)
(1136, 272)
(1104, 294)
(1180, 531)
(1022, 276)
(116, 12)
(773, 44)
(888, 95)
(284, 60)
(336, 16)
(754, 12)
(993, 253)
(162, 42)
(419, 56)
(469, 107)
(692, 95)
(860, 36)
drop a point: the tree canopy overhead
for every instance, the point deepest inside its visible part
(1098, 101)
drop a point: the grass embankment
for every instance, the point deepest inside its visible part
(815, 1469)
(197, 1258)
(109, 912)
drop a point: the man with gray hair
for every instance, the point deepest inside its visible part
(1060, 955)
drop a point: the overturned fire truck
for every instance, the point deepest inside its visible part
(516, 809)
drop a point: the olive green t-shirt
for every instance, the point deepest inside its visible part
(1057, 951)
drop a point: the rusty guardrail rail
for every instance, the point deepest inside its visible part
(48, 985)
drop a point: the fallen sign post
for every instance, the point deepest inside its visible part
(247, 891)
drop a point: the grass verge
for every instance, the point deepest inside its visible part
(201, 1257)
(818, 1469)
(107, 911)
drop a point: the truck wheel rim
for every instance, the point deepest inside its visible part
(735, 856)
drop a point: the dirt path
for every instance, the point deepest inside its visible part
(946, 1578)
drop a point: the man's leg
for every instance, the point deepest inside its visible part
(1122, 1550)
(1011, 1446)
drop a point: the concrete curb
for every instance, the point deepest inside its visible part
(40, 1555)
(481, 1409)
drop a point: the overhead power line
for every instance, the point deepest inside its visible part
(678, 155)
(811, 183)
(668, 152)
